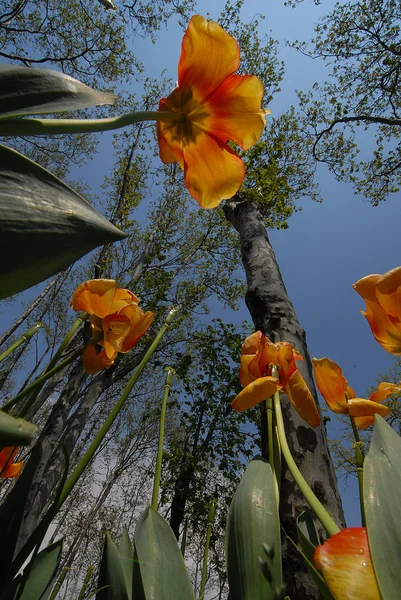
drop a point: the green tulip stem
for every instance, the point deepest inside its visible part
(359, 459)
(85, 584)
(319, 510)
(24, 126)
(77, 323)
(210, 519)
(59, 583)
(87, 457)
(24, 338)
(156, 483)
(39, 382)
(270, 432)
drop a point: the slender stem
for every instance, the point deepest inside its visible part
(270, 432)
(87, 457)
(184, 537)
(77, 323)
(85, 584)
(39, 382)
(319, 510)
(12, 127)
(24, 338)
(359, 460)
(156, 483)
(59, 583)
(210, 520)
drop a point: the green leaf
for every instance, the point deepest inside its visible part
(42, 573)
(161, 563)
(308, 539)
(253, 521)
(382, 493)
(127, 561)
(111, 584)
(44, 224)
(15, 432)
(27, 91)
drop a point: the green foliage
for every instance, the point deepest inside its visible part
(15, 432)
(39, 576)
(382, 486)
(253, 522)
(115, 578)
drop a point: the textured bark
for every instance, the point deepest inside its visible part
(181, 491)
(273, 313)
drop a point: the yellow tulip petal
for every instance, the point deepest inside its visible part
(253, 343)
(245, 376)
(94, 361)
(360, 407)
(115, 329)
(255, 392)
(7, 467)
(331, 384)
(213, 172)
(208, 55)
(347, 565)
(137, 329)
(301, 399)
(384, 390)
(234, 112)
(101, 297)
(388, 292)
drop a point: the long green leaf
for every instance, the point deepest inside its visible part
(111, 583)
(253, 521)
(15, 432)
(161, 564)
(382, 494)
(127, 561)
(27, 91)
(308, 540)
(44, 224)
(42, 574)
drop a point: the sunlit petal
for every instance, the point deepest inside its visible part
(115, 329)
(359, 407)
(208, 55)
(347, 565)
(245, 376)
(138, 328)
(255, 392)
(94, 361)
(301, 399)
(101, 297)
(253, 343)
(331, 384)
(286, 361)
(388, 292)
(384, 389)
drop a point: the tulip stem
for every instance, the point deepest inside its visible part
(24, 338)
(87, 457)
(39, 383)
(359, 460)
(210, 519)
(156, 483)
(270, 432)
(319, 510)
(24, 126)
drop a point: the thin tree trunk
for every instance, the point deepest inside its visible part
(273, 313)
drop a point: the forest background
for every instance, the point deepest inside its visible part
(325, 249)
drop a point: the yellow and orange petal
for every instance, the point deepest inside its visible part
(94, 361)
(331, 384)
(140, 323)
(255, 392)
(208, 55)
(382, 296)
(364, 411)
(301, 399)
(9, 469)
(347, 567)
(115, 329)
(101, 297)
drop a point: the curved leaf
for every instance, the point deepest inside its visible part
(382, 492)
(27, 91)
(161, 563)
(44, 224)
(42, 573)
(253, 521)
(127, 560)
(15, 432)
(111, 583)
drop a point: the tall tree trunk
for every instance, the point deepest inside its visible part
(273, 313)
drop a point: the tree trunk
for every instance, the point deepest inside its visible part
(273, 313)
(181, 492)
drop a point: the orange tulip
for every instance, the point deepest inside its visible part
(7, 468)
(382, 294)
(347, 565)
(116, 319)
(341, 397)
(218, 106)
(258, 356)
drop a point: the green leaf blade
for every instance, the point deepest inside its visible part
(42, 573)
(111, 583)
(15, 432)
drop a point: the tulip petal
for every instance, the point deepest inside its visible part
(347, 565)
(233, 111)
(7, 467)
(208, 55)
(384, 390)
(255, 392)
(301, 399)
(94, 361)
(253, 343)
(245, 375)
(331, 384)
(101, 297)
(115, 329)
(138, 328)
(213, 172)
(286, 361)
(388, 292)
(364, 411)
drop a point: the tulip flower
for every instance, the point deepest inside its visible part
(382, 294)
(7, 467)
(116, 320)
(258, 356)
(347, 565)
(218, 106)
(341, 397)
